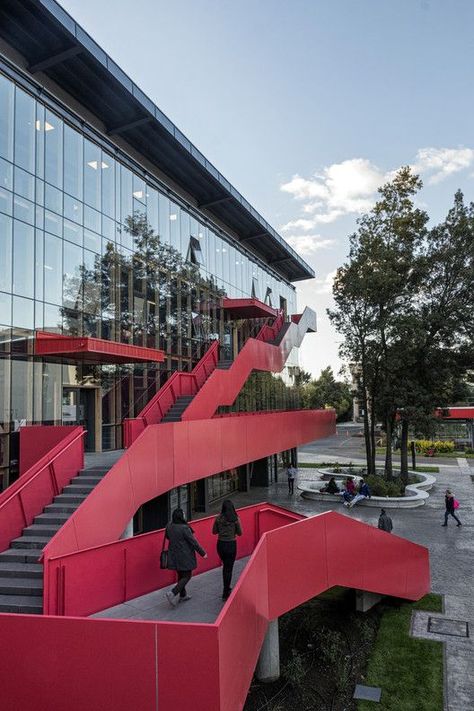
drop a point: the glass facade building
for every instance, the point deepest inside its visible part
(93, 242)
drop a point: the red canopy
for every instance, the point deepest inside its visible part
(93, 350)
(248, 308)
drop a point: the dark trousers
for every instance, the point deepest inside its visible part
(291, 486)
(227, 550)
(184, 576)
(450, 513)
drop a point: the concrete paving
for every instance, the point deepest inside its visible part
(205, 604)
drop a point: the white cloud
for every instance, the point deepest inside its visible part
(308, 244)
(342, 188)
(439, 163)
(324, 285)
(350, 187)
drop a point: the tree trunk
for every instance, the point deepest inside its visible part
(404, 452)
(388, 448)
(368, 454)
(372, 436)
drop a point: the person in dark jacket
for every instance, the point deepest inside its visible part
(450, 508)
(385, 522)
(331, 487)
(181, 555)
(227, 526)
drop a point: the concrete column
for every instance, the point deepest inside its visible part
(268, 665)
(366, 600)
(128, 533)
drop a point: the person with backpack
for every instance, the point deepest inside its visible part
(451, 506)
(385, 522)
(227, 526)
(181, 555)
(364, 493)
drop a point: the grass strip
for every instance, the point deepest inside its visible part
(424, 468)
(409, 671)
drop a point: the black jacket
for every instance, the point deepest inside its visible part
(449, 501)
(385, 523)
(182, 547)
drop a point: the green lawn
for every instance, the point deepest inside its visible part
(408, 670)
(444, 455)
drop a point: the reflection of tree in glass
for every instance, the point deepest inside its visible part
(139, 298)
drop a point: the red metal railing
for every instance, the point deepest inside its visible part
(178, 384)
(220, 656)
(27, 497)
(223, 386)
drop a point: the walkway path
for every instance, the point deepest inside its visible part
(205, 604)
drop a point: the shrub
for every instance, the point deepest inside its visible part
(427, 446)
(381, 487)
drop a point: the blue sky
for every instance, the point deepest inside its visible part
(307, 105)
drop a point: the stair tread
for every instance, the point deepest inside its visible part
(33, 583)
(22, 603)
(32, 539)
(20, 568)
(42, 528)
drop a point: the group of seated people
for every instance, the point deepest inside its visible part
(350, 494)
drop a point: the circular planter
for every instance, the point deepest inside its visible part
(416, 494)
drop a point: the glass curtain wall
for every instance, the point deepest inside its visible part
(88, 247)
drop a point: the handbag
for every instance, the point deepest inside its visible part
(164, 555)
(455, 504)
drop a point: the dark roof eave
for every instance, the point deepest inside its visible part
(130, 113)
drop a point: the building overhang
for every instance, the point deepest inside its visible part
(248, 308)
(456, 413)
(54, 44)
(94, 351)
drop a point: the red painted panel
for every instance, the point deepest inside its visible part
(188, 664)
(61, 664)
(242, 627)
(38, 440)
(94, 350)
(288, 560)
(456, 413)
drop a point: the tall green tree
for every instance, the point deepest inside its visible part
(326, 391)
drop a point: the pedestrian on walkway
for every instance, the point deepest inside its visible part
(291, 471)
(451, 506)
(226, 527)
(385, 522)
(181, 555)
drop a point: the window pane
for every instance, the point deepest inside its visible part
(164, 222)
(108, 185)
(126, 193)
(73, 165)
(6, 118)
(5, 309)
(53, 137)
(5, 253)
(53, 272)
(39, 265)
(22, 391)
(92, 173)
(72, 276)
(24, 184)
(23, 313)
(23, 259)
(25, 131)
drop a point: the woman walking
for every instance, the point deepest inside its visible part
(181, 555)
(451, 506)
(227, 526)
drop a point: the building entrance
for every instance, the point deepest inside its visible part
(79, 408)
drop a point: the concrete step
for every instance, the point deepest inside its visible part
(26, 604)
(167, 418)
(21, 586)
(32, 542)
(37, 529)
(78, 489)
(68, 499)
(53, 518)
(19, 555)
(21, 570)
(94, 471)
(60, 508)
(86, 479)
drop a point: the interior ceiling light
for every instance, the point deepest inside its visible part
(48, 126)
(173, 217)
(38, 125)
(93, 164)
(104, 165)
(138, 193)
